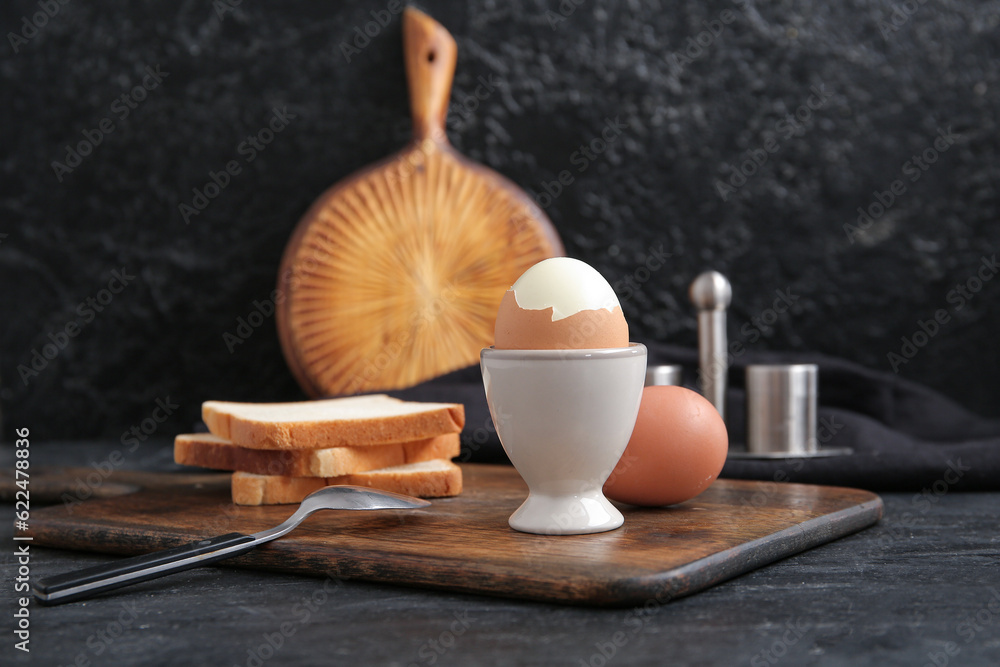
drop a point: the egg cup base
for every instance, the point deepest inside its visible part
(561, 515)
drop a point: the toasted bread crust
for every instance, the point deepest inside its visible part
(208, 451)
(322, 433)
(251, 489)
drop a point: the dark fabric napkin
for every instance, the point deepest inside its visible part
(904, 436)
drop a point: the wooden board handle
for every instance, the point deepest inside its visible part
(430, 52)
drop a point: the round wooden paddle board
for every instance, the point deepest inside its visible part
(394, 276)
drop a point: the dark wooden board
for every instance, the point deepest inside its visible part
(464, 543)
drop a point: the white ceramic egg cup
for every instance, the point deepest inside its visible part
(564, 418)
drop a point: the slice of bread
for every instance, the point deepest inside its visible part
(337, 422)
(427, 479)
(210, 451)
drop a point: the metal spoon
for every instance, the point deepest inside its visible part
(93, 580)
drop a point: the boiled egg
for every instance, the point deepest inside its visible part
(560, 304)
(677, 449)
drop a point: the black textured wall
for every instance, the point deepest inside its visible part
(887, 95)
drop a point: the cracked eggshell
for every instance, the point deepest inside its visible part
(559, 304)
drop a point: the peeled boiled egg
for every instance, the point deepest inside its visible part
(558, 304)
(677, 449)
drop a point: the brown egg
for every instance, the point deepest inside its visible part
(522, 329)
(677, 449)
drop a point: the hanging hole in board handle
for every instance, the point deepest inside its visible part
(430, 57)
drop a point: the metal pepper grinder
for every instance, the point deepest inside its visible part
(711, 294)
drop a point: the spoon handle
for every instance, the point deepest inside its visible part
(93, 580)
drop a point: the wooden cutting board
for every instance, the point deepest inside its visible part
(464, 543)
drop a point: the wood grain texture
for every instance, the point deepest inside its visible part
(464, 543)
(395, 274)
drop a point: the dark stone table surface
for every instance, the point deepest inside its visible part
(920, 588)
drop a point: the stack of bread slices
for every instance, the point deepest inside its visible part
(282, 452)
